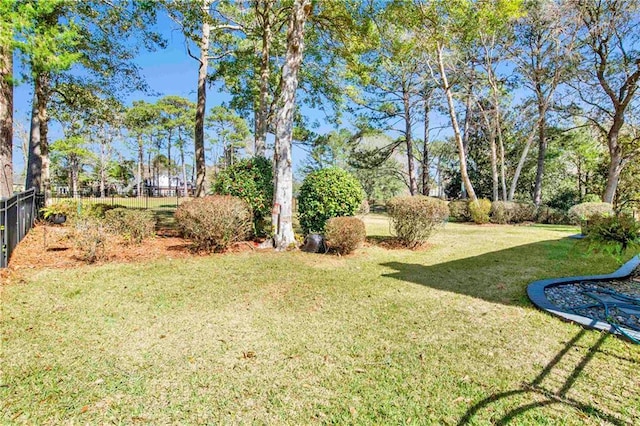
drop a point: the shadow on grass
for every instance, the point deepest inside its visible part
(554, 393)
(165, 219)
(498, 277)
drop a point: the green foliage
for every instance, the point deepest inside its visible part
(98, 210)
(89, 236)
(503, 212)
(614, 234)
(413, 219)
(459, 211)
(252, 180)
(479, 210)
(214, 223)
(591, 198)
(134, 225)
(551, 216)
(344, 234)
(587, 211)
(325, 194)
(524, 212)
(69, 208)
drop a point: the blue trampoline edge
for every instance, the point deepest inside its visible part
(536, 293)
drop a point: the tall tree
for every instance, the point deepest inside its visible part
(138, 120)
(609, 73)
(543, 51)
(231, 131)
(283, 188)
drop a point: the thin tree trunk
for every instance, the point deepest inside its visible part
(425, 148)
(467, 130)
(615, 164)
(262, 112)
(413, 186)
(140, 164)
(169, 159)
(201, 169)
(542, 153)
(34, 164)
(6, 122)
(494, 165)
(456, 129)
(503, 177)
(523, 159)
(184, 172)
(283, 194)
(75, 171)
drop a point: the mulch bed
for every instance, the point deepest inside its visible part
(51, 246)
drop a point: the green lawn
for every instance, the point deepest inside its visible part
(444, 335)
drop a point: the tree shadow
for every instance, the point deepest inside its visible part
(499, 276)
(545, 393)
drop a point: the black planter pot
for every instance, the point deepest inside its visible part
(58, 218)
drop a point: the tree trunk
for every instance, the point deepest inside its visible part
(413, 186)
(494, 165)
(201, 169)
(283, 194)
(615, 165)
(184, 172)
(542, 153)
(6, 122)
(169, 159)
(466, 131)
(140, 164)
(262, 112)
(75, 172)
(456, 129)
(523, 158)
(425, 148)
(34, 163)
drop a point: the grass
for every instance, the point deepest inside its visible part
(444, 335)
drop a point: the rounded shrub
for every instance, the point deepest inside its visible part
(614, 234)
(214, 223)
(459, 211)
(551, 216)
(479, 210)
(325, 194)
(252, 180)
(134, 225)
(413, 219)
(503, 212)
(586, 211)
(344, 234)
(525, 212)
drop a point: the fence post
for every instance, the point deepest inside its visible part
(3, 234)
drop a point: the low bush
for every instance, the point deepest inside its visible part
(479, 211)
(67, 208)
(551, 216)
(98, 210)
(133, 225)
(459, 211)
(214, 223)
(413, 219)
(89, 236)
(503, 212)
(525, 212)
(586, 211)
(344, 234)
(327, 193)
(614, 234)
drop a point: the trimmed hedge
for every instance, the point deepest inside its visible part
(134, 225)
(459, 211)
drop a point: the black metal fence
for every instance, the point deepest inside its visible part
(170, 202)
(17, 216)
